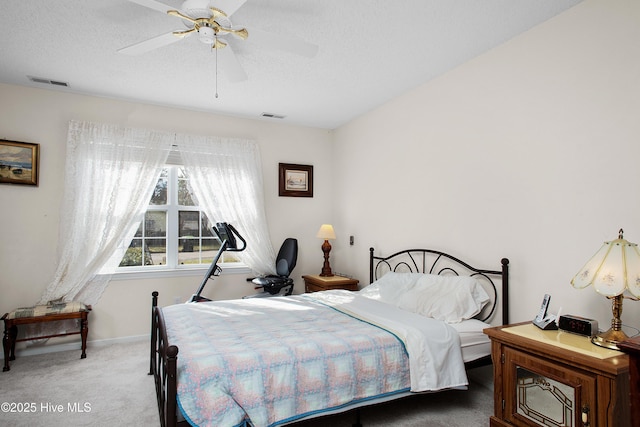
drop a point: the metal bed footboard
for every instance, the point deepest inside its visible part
(163, 364)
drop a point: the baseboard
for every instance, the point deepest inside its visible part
(35, 349)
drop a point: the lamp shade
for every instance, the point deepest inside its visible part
(326, 232)
(612, 270)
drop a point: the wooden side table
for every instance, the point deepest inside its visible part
(632, 347)
(544, 378)
(315, 283)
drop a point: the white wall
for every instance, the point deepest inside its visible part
(530, 152)
(29, 216)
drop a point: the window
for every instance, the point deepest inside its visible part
(175, 233)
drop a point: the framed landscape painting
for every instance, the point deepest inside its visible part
(19, 162)
(295, 180)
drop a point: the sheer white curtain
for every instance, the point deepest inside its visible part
(226, 177)
(110, 174)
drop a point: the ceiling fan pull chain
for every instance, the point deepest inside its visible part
(216, 49)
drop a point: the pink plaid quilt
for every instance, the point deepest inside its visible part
(270, 361)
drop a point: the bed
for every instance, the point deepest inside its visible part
(277, 361)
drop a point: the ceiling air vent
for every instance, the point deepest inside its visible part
(273, 116)
(47, 81)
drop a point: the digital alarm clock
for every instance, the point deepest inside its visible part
(578, 325)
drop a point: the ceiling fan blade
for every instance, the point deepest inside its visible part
(153, 43)
(227, 6)
(230, 66)
(153, 4)
(285, 43)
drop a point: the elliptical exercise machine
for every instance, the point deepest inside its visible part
(227, 235)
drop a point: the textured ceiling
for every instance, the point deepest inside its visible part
(369, 51)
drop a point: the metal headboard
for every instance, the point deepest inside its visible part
(435, 262)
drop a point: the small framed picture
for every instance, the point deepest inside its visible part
(295, 180)
(19, 162)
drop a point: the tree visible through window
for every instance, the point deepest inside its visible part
(175, 232)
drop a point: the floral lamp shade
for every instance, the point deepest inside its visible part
(612, 270)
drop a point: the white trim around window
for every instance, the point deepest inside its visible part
(150, 273)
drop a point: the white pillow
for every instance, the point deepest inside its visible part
(448, 298)
(390, 287)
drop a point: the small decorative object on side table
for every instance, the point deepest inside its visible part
(315, 283)
(544, 378)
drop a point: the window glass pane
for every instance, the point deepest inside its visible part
(157, 249)
(197, 245)
(189, 224)
(135, 256)
(209, 249)
(207, 230)
(211, 246)
(139, 230)
(189, 251)
(230, 257)
(159, 196)
(155, 224)
(185, 198)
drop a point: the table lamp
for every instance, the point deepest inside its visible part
(614, 269)
(326, 232)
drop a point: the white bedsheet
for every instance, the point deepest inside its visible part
(435, 355)
(475, 343)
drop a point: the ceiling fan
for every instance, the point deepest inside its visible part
(210, 19)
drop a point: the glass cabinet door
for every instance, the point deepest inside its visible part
(544, 400)
(541, 393)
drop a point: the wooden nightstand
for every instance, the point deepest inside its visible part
(632, 347)
(315, 283)
(556, 375)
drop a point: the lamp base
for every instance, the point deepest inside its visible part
(326, 267)
(609, 339)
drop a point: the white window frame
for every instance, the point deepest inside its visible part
(172, 268)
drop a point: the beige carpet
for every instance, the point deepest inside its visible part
(111, 388)
(108, 388)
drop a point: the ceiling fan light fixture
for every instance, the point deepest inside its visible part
(207, 35)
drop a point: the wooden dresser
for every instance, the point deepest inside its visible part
(544, 378)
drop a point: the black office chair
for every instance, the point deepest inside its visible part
(280, 283)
